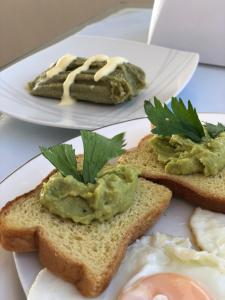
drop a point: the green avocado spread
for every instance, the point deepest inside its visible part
(112, 193)
(182, 156)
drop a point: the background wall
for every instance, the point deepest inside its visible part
(26, 25)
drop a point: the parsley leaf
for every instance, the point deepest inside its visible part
(97, 151)
(179, 120)
(214, 130)
(63, 159)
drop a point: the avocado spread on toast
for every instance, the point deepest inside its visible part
(112, 193)
(182, 143)
(182, 156)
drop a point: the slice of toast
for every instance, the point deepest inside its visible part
(199, 190)
(86, 255)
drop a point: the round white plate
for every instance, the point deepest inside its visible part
(167, 71)
(174, 221)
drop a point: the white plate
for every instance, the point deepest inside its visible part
(167, 70)
(174, 221)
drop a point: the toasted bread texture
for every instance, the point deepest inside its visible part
(85, 255)
(199, 190)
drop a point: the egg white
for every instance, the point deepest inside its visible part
(147, 256)
(209, 231)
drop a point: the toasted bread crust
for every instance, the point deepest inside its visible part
(70, 270)
(184, 190)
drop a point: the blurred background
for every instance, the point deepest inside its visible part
(28, 25)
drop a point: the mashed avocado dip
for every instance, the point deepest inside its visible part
(112, 193)
(182, 156)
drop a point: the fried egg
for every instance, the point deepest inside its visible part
(209, 231)
(154, 268)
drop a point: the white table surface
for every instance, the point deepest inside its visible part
(19, 140)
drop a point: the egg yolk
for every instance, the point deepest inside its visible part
(165, 286)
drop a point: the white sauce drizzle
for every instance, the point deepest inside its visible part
(109, 67)
(66, 98)
(61, 65)
(160, 297)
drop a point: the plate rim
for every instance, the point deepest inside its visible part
(32, 158)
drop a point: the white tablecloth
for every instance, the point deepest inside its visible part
(19, 141)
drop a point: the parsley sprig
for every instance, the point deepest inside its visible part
(63, 159)
(98, 150)
(214, 130)
(178, 120)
